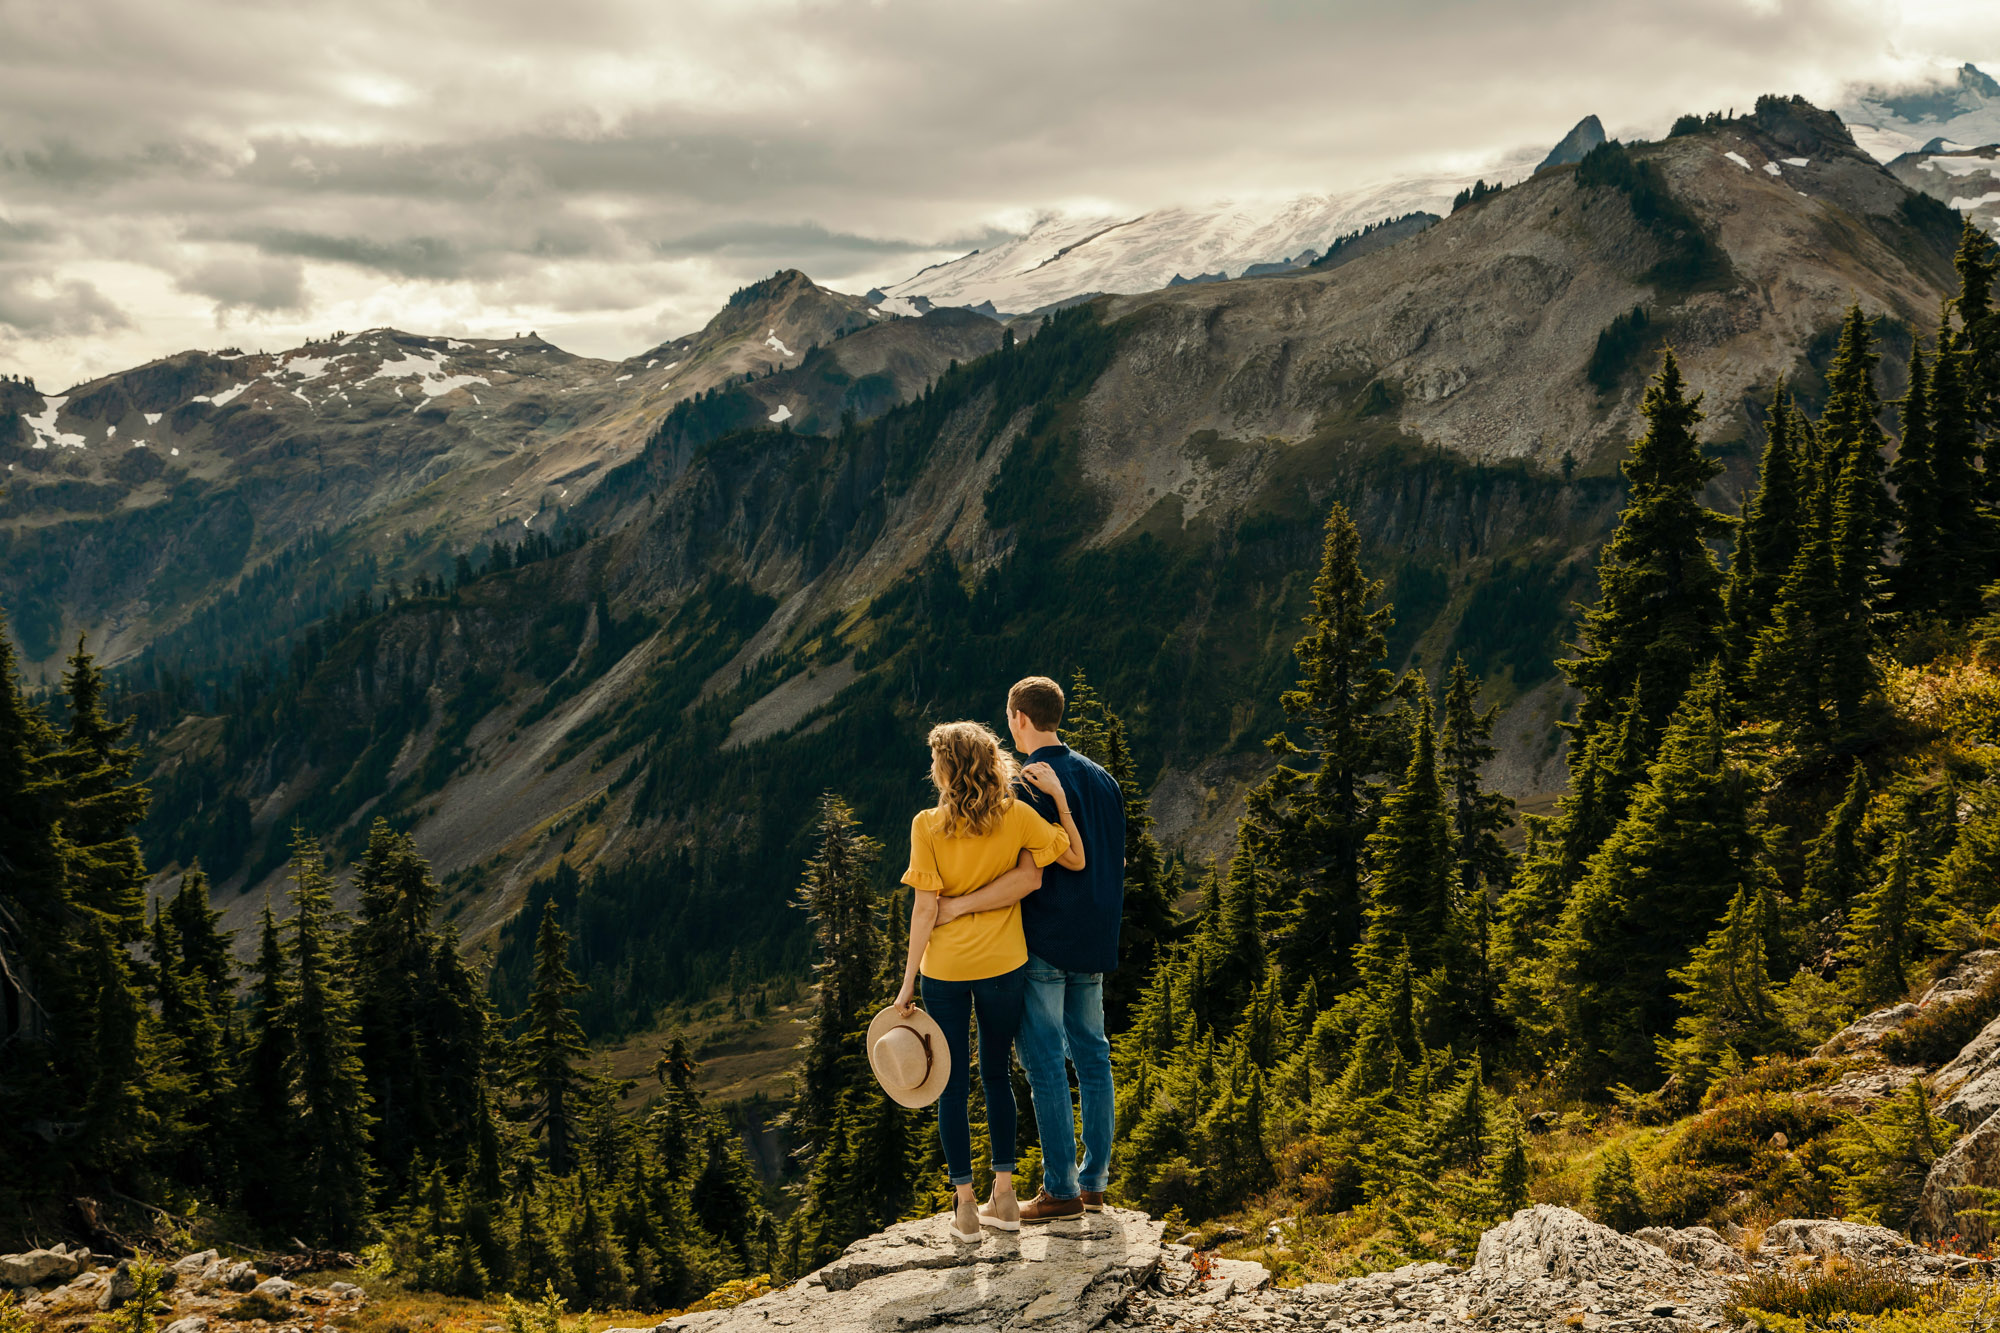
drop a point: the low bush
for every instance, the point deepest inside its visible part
(1837, 1289)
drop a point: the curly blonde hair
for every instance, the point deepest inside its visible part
(977, 777)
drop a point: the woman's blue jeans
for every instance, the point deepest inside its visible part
(998, 1001)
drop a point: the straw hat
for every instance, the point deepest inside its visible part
(909, 1056)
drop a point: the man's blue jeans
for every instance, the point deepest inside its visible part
(1064, 1017)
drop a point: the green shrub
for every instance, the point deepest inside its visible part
(1838, 1289)
(136, 1314)
(1614, 1193)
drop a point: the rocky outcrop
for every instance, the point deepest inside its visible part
(1546, 1267)
(1960, 983)
(202, 1293)
(1068, 1275)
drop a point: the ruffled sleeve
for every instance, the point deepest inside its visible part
(923, 872)
(1044, 841)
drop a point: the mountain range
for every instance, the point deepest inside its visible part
(565, 618)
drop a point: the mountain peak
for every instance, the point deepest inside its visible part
(1587, 134)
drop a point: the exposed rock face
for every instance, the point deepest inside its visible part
(1973, 1161)
(1588, 134)
(1062, 1276)
(1867, 1031)
(1699, 1246)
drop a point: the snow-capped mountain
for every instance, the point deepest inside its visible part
(1963, 112)
(1066, 255)
(1966, 179)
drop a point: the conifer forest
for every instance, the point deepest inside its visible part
(1398, 1011)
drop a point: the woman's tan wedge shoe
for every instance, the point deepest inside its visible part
(965, 1222)
(1002, 1212)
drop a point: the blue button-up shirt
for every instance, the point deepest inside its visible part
(1072, 920)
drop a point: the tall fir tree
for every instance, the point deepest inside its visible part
(840, 895)
(1311, 818)
(1767, 538)
(1658, 622)
(1650, 896)
(1968, 529)
(1836, 862)
(1922, 573)
(324, 1079)
(1479, 819)
(422, 1019)
(1411, 868)
(545, 1058)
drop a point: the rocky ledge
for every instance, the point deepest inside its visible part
(1546, 1268)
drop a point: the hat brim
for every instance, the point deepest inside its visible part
(940, 1071)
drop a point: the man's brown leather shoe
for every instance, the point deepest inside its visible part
(1043, 1208)
(1093, 1201)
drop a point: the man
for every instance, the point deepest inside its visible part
(1071, 919)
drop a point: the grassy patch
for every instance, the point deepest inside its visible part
(1941, 1032)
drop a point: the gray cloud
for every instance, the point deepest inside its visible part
(294, 167)
(68, 309)
(252, 282)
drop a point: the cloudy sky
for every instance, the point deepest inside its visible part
(202, 173)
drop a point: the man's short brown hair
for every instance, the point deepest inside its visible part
(1040, 698)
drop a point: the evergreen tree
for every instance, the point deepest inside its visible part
(327, 1087)
(1968, 530)
(1836, 867)
(1852, 441)
(1885, 937)
(1767, 539)
(1479, 818)
(1410, 883)
(544, 1059)
(1794, 663)
(204, 946)
(1919, 581)
(1149, 919)
(1311, 817)
(1684, 849)
(266, 1102)
(423, 1024)
(1727, 1010)
(838, 892)
(1657, 621)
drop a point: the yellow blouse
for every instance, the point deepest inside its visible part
(979, 944)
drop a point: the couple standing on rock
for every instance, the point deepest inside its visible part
(1019, 875)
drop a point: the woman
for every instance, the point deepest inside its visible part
(979, 962)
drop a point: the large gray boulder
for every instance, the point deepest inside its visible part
(1060, 1277)
(35, 1267)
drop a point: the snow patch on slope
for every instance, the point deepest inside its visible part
(1065, 255)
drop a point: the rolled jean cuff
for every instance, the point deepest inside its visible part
(1007, 1167)
(965, 1179)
